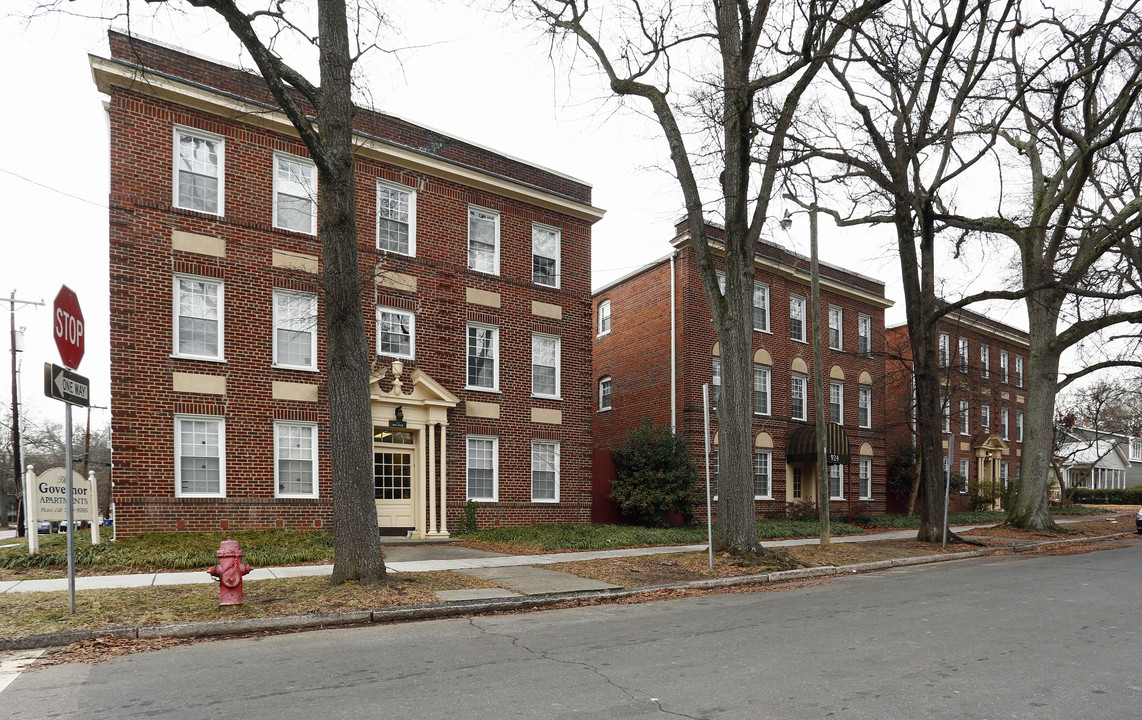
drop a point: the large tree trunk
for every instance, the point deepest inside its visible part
(357, 544)
(1030, 507)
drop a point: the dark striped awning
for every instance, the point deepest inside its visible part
(803, 445)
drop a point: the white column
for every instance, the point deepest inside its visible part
(443, 479)
(431, 430)
(31, 524)
(94, 485)
(422, 482)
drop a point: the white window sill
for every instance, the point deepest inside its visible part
(308, 233)
(494, 273)
(763, 332)
(760, 414)
(298, 368)
(547, 397)
(483, 500)
(836, 349)
(196, 210)
(603, 334)
(803, 342)
(402, 358)
(202, 358)
(493, 391)
(549, 287)
(295, 497)
(199, 495)
(603, 410)
(545, 502)
(760, 497)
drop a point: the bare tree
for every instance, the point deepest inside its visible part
(729, 78)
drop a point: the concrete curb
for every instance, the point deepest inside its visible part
(482, 607)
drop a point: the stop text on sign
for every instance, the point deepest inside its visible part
(68, 327)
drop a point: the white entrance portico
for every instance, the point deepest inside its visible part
(410, 426)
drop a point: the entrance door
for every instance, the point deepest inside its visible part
(393, 471)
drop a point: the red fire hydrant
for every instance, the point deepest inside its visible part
(229, 571)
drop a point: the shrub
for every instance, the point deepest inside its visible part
(1120, 496)
(655, 475)
(802, 510)
(468, 524)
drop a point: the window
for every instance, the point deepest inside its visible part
(295, 330)
(295, 460)
(1135, 450)
(604, 318)
(198, 318)
(796, 483)
(716, 383)
(965, 467)
(545, 365)
(544, 471)
(762, 480)
(1003, 365)
(721, 281)
(295, 194)
(963, 355)
(836, 482)
(985, 416)
(800, 382)
(866, 478)
(1003, 474)
(545, 255)
(760, 307)
(797, 318)
(946, 415)
(1018, 371)
(483, 468)
(944, 340)
(864, 406)
(396, 333)
(864, 334)
(483, 241)
(604, 393)
(984, 361)
(396, 218)
(1003, 423)
(837, 402)
(760, 390)
(200, 457)
(714, 472)
(199, 159)
(1018, 426)
(835, 321)
(965, 421)
(483, 355)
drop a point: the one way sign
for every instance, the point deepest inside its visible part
(62, 384)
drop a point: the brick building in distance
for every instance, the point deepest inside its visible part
(475, 265)
(983, 366)
(655, 347)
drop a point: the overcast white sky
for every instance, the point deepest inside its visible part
(481, 77)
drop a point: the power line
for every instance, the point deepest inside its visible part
(55, 190)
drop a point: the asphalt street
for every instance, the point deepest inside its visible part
(1008, 637)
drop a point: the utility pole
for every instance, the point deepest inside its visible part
(17, 460)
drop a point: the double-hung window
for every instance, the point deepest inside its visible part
(1003, 365)
(837, 402)
(544, 471)
(798, 394)
(965, 468)
(864, 406)
(944, 349)
(946, 414)
(197, 318)
(295, 460)
(199, 162)
(836, 321)
(965, 421)
(483, 357)
(1019, 426)
(984, 361)
(604, 318)
(864, 334)
(963, 355)
(760, 390)
(483, 468)
(1018, 371)
(1136, 450)
(836, 482)
(483, 241)
(797, 318)
(545, 366)
(396, 218)
(866, 478)
(545, 255)
(1003, 427)
(200, 456)
(760, 307)
(295, 194)
(762, 474)
(295, 330)
(604, 393)
(716, 383)
(985, 416)
(396, 333)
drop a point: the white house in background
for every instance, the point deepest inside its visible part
(1099, 463)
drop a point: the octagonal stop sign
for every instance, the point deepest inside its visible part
(67, 326)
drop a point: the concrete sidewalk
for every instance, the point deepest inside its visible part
(431, 558)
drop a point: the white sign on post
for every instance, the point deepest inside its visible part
(47, 500)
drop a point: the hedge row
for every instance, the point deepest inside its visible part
(1124, 496)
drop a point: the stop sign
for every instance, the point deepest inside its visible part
(68, 327)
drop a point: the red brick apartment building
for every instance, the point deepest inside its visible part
(655, 347)
(984, 369)
(475, 265)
